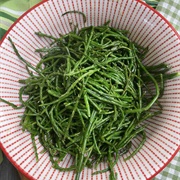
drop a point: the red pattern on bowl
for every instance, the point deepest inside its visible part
(147, 27)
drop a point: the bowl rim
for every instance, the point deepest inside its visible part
(21, 170)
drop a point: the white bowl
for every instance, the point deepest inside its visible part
(147, 27)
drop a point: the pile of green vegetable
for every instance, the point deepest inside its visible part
(88, 96)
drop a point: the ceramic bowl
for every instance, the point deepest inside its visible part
(147, 28)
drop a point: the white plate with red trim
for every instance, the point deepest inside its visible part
(147, 27)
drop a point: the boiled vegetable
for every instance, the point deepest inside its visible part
(89, 95)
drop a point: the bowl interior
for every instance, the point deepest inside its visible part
(146, 27)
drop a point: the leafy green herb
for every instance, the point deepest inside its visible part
(78, 12)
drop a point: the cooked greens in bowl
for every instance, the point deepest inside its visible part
(94, 94)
